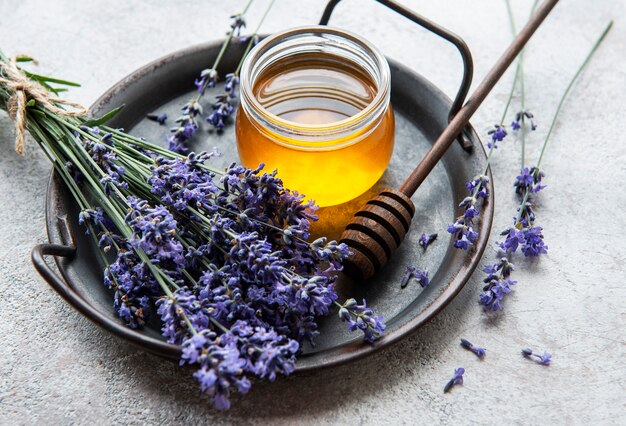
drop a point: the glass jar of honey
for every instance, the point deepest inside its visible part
(315, 106)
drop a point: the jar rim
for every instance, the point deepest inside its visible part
(365, 116)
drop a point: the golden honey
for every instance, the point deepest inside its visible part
(315, 106)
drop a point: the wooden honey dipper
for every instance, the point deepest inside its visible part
(379, 228)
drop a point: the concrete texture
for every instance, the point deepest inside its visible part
(58, 368)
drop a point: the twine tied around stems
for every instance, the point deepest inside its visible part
(25, 89)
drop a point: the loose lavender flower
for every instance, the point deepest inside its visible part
(425, 240)
(541, 359)
(498, 284)
(479, 352)
(361, 317)
(457, 379)
(159, 118)
(414, 273)
(520, 120)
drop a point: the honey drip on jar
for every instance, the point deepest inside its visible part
(318, 90)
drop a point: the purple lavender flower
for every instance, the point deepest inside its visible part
(529, 180)
(520, 120)
(93, 216)
(134, 287)
(222, 110)
(246, 38)
(154, 231)
(425, 240)
(102, 155)
(268, 352)
(463, 228)
(540, 359)
(230, 87)
(361, 317)
(186, 128)
(457, 379)
(512, 241)
(208, 79)
(414, 273)
(498, 284)
(478, 186)
(533, 242)
(479, 352)
(226, 263)
(221, 365)
(463, 232)
(159, 118)
(498, 133)
(530, 239)
(237, 24)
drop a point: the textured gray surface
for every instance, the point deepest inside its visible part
(58, 368)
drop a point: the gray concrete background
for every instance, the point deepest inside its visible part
(58, 368)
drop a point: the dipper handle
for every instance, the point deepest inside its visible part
(378, 229)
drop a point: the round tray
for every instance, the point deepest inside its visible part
(421, 115)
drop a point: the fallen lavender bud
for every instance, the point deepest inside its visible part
(479, 352)
(540, 359)
(425, 240)
(457, 379)
(159, 118)
(414, 273)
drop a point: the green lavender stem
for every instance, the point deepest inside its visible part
(569, 88)
(558, 110)
(251, 41)
(519, 72)
(229, 37)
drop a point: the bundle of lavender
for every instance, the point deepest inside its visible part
(221, 256)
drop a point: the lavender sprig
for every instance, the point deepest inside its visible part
(543, 359)
(221, 256)
(187, 122)
(524, 233)
(457, 379)
(498, 284)
(463, 228)
(223, 106)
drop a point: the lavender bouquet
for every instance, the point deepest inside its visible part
(221, 256)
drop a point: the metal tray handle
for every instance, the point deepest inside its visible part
(458, 42)
(51, 277)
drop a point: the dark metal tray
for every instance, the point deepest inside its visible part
(421, 115)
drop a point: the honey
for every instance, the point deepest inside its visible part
(320, 117)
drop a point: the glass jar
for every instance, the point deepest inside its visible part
(315, 106)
